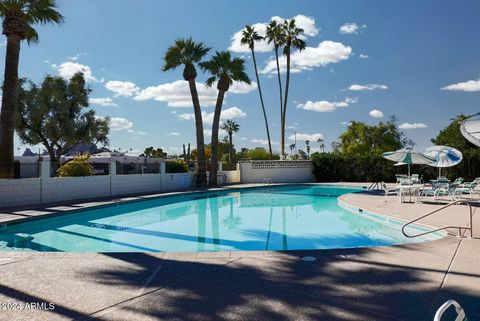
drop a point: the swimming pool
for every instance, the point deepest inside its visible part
(290, 217)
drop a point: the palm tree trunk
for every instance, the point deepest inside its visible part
(9, 105)
(263, 106)
(230, 150)
(202, 171)
(287, 84)
(214, 146)
(279, 88)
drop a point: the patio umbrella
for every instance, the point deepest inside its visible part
(444, 157)
(470, 129)
(408, 156)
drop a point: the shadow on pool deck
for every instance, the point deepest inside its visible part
(384, 283)
(339, 285)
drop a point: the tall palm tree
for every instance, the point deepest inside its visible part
(249, 37)
(18, 16)
(224, 70)
(292, 39)
(276, 35)
(307, 142)
(186, 52)
(321, 144)
(230, 126)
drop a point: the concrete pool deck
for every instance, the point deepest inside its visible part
(384, 283)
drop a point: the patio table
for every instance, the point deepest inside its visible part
(414, 188)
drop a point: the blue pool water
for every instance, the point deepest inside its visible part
(276, 218)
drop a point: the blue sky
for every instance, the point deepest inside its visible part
(398, 55)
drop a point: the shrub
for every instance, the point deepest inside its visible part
(78, 166)
(176, 167)
(336, 167)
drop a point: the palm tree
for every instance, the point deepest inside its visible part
(276, 35)
(249, 37)
(292, 38)
(321, 144)
(18, 16)
(186, 52)
(224, 70)
(307, 142)
(230, 126)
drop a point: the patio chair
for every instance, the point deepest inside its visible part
(460, 314)
(389, 191)
(416, 179)
(466, 189)
(442, 188)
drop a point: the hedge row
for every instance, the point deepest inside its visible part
(331, 167)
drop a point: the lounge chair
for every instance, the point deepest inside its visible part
(389, 191)
(460, 314)
(466, 189)
(442, 188)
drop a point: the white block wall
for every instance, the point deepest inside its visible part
(19, 191)
(60, 189)
(277, 171)
(229, 177)
(177, 181)
(136, 184)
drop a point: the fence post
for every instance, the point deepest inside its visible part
(44, 175)
(112, 172)
(163, 170)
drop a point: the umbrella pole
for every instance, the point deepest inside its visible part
(409, 177)
(439, 172)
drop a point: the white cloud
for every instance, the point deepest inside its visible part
(118, 123)
(69, 68)
(469, 86)
(259, 141)
(102, 102)
(412, 125)
(242, 88)
(173, 134)
(351, 28)
(326, 106)
(208, 132)
(363, 56)
(122, 88)
(132, 131)
(376, 113)
(304, 137)
(302, 21)
(356, 87)
(327, 52)
(229, 113)
(177, 93)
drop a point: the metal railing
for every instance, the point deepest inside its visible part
(460, 228)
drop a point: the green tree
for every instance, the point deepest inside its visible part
(363, 139)
(56, 115)
(18, 16)
(451, 136)
(258, 153)
(78, 166)
(276, 36)
(293, 36)
(249, 37)
(230, 126)
(154, 152)
(186, 52)
(224, 70)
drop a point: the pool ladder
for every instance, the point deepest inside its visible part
(460, 228)
(267, 182)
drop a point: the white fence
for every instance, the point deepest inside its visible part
(277, 171)
(46, 189)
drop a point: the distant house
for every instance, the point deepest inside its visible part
(83, 148)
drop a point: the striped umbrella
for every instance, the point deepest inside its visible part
(408, 156)
(444, 157)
